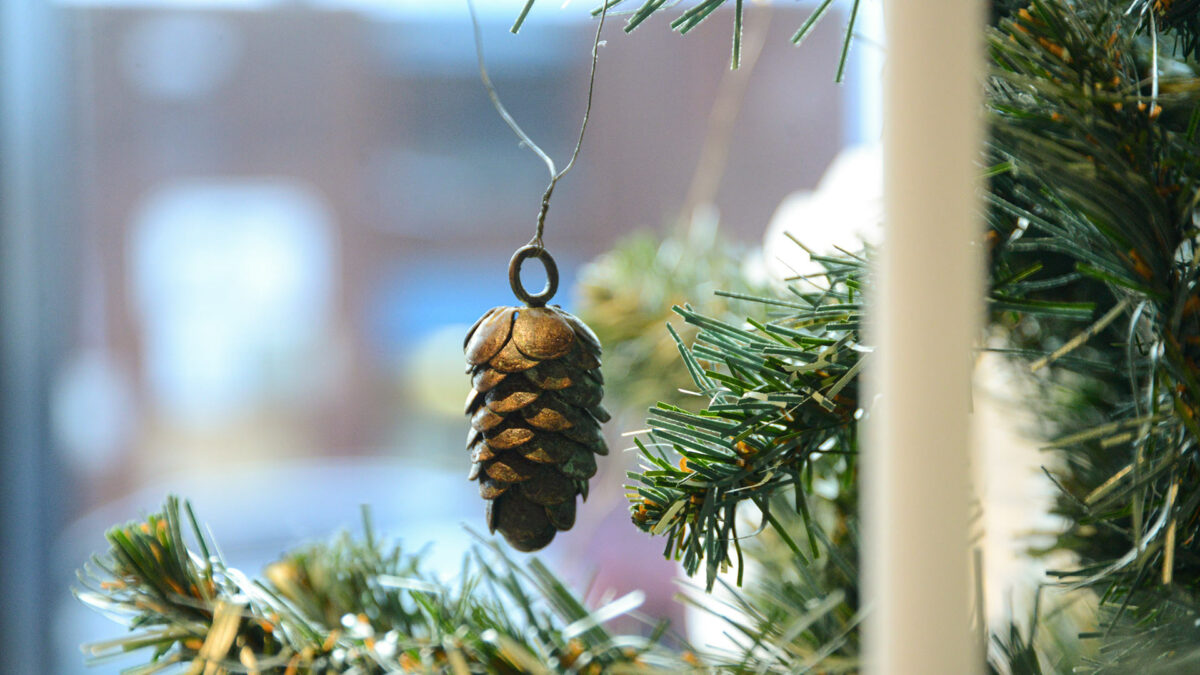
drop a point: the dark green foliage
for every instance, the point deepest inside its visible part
(1093, 199)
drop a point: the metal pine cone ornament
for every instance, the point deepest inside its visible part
(535, 411)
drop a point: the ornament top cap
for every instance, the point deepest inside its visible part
(514, 275)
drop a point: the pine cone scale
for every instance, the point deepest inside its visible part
(546, 419)
(580, 465)
(481, 453)
(486, 379)
(551, 376)
(584, 331)
(583, 395)
(525, 525)
(490, 488)
(562, 516)
(474, 398)
(550, 487)
(485, 419)
(502, 400)
(554, 448)
(510, 360)
(600, 413)
(542, 334)
(490, 335)
(510, 468)
(509, 438)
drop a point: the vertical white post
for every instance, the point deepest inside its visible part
(925, 315)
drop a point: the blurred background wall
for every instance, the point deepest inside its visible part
(241, 240)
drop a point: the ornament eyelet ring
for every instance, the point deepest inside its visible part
(514, 275)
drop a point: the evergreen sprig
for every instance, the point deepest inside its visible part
(349, 606)
(782, 403)
(776, 444)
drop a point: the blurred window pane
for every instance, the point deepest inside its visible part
(231, 283)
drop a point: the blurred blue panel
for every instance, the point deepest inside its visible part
(38, 265)
(228, 278)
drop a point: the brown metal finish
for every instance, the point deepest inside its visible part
(535, 412)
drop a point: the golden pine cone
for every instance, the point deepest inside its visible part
(535, 419)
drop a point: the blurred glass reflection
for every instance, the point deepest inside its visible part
(231, 284)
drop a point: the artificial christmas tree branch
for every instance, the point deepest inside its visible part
(347, 606)
(782, 402)
(1093, 113)
(1102, 176)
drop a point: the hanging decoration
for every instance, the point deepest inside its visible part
(535, 384)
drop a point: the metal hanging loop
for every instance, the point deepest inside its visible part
(514, 275)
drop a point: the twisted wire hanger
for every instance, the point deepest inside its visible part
(555, 175)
